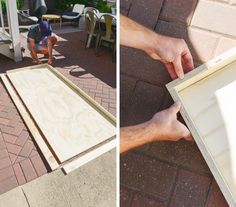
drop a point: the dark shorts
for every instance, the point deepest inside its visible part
(36, 45)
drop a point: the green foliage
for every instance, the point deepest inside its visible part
(64, 4)
(19, 4)
(102, 7)
(99, 4)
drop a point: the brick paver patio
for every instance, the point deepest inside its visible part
(20, 160)
(166, 173)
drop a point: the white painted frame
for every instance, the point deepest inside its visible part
(192, 77)
(48, 154)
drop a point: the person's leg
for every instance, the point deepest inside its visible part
(51, 41)
(54, 40)
(33, 52)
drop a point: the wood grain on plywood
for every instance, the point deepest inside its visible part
(31, 125)
(69, 123)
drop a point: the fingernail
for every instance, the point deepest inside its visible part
(181, 76)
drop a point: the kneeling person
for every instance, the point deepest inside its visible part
(40, 40)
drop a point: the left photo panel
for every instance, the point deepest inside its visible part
(58, 103)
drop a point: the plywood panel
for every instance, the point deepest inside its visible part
(70, 124)
(52, 162)
(208, 98)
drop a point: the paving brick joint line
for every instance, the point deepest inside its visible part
(19, 154)
(191, 20)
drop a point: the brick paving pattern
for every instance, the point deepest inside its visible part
(165, 173)
(20, 159)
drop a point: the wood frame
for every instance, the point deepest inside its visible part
(82, 158)
(192, 77)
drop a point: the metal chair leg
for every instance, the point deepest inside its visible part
(97, 44)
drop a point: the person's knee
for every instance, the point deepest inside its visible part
(54, 40)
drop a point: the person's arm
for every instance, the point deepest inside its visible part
(33, 52)
(49, 43)
(173, 52)
(163, 126)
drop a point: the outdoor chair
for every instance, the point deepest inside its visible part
(40, 8)
(25, 19)
(74, 14)
(91, 20)
(107, 33)
(91, 9)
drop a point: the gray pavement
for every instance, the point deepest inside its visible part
(94, 184)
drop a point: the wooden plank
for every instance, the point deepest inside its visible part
(209, 111)
(65, 118)
(78, 162)
(30, 124)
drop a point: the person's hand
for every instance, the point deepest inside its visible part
(165, 124)
(38, 62)
(49, 61)
(174, 53)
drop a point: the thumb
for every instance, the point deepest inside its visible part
(175, 107)
(178, 67)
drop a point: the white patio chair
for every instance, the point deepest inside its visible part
(74, 14)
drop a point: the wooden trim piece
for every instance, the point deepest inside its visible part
(30, 124)
(176, 86)
(86, 97)
(78, 162)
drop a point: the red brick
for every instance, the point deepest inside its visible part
(19, 159)
(146, 101)
(22, 138)
(178, 10)
(125, 197)
(215, 197)
(1, 137)
(147, 175)
(4, 121)
(5, 162)
(125, 6)
(19, 174)
(181, 153)
(145, 12)
(2, 145)
(127, 85)
(28, 170)
(17, 129)
(139, 65)
(12, 148)
(33, 153)
(9, 138)
(6, 129)
(38, 164)
(6, 173)
(3, 153)
(12, 157)
(191, 190)
(27, 148)
(143, 200)
(8, 184)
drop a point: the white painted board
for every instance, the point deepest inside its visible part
(208, 97)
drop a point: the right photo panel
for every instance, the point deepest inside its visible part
(177, 109)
